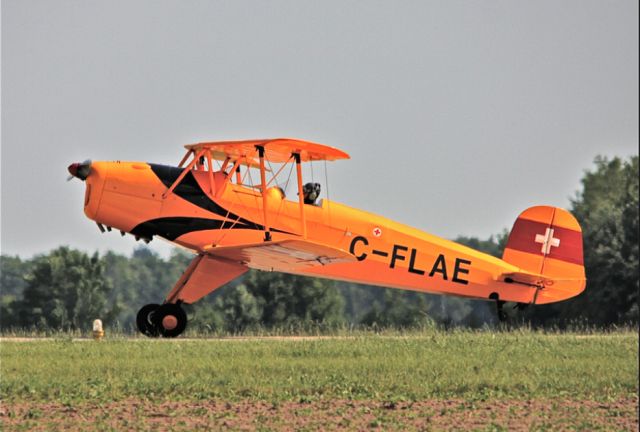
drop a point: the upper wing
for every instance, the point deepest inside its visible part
(276, 149)
(282, 255)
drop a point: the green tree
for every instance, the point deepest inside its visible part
(240, 309)
(397, 308)
(269, 299)
(12, 283)
(288, 299)
(12, 271)
(65, 289)
(493, 245)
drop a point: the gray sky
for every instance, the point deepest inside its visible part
(457, 114)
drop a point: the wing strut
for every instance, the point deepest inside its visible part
(203, 275)
(263, 180)
(183, 173)
(303, 220)
(184, 159)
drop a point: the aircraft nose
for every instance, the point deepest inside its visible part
(80, 170)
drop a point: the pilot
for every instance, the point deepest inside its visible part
(311, 192)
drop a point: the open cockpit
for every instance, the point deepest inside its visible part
(262, 169)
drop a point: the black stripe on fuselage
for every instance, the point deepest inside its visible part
(173, 227)
(190, 190)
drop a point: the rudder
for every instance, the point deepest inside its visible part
(547, 241)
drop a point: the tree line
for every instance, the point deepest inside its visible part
(67, 288)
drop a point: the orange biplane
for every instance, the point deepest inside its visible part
(223, 202)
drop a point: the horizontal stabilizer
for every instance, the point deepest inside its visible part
(282, 255)
(526, 278)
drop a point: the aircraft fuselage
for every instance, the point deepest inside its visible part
(131, 197)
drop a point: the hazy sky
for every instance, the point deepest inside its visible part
(457, 114)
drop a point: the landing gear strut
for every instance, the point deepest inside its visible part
(167, 320)
(502, 315)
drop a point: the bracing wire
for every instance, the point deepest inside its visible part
(286, 185)
(224, 233)
(274, 178)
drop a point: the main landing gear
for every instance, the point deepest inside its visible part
(167, 320)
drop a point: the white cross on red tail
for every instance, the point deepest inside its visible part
(548, 241)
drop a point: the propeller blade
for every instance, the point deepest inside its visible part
(80, 169)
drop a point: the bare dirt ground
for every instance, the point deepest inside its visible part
(437, 415)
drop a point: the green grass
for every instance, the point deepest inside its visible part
(432, 364)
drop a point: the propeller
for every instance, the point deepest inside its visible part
(80, 170)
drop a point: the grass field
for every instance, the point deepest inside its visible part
(518, 380)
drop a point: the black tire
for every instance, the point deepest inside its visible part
(169, 312)
(144, 320)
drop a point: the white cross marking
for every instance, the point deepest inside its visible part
(547, 241)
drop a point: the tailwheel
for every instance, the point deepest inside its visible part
(521, 306)
(170, 320)
(144, 320)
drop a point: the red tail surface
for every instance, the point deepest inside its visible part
(548, 241)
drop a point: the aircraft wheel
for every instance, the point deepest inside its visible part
(170, 320)
(144, 320)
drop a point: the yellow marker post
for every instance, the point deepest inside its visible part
(98, 332)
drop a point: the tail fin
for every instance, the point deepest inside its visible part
(546, 242)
